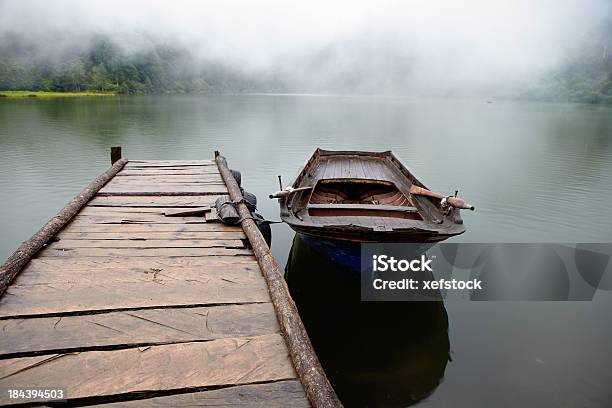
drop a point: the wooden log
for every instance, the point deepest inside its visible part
(13, 265)
(318, 388)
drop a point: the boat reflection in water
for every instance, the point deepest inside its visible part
(374, 353)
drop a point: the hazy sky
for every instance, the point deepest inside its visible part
(467, 41)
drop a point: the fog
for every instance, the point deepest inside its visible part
(396, 47)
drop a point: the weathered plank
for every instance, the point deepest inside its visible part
(160, 211)
(173, 162)
(142, 252)
(278, 394)
(170, 163)
(170, 178)
(229, 263)
(147, 201)
(178, 167)
(71, 297)
(135, 327)
(97, 210)
(136, 189)
(67, 244)
(140, 236)
(168, 185)
(127, 218)
(167, 171)
(142, 227)
(166, 367)
(48, 271)
(164, 181)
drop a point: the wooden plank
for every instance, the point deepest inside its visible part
(141, 227)
(51, 271)
(139, 327)
(72, 297)
(172, 176)
(166, 367)
(165, 180)
(148, 201)
(163, 189)
(174, 162)
(131, 218)
(138, 236)
(178, 166)
(160, 211)
(193, 179)
(167, 172)
(278, 394)
(147, 243)
(229, 264)
(170, 163)
(169, 184)
(142, 252)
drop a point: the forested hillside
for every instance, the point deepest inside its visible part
(105, 67)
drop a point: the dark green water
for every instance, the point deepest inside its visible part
(536, 173)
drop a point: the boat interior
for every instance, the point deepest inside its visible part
(360, 197)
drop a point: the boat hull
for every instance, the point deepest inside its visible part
(356, 235)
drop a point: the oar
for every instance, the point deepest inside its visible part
(453, 201)
(287, 191)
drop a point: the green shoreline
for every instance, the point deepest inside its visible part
(44, 94)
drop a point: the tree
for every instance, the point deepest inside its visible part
(99, 77)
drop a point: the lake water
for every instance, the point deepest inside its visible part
(536, 173)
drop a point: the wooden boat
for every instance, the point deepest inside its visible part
(367, 197)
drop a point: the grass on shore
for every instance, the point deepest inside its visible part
(44, 94)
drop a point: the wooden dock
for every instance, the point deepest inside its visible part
(126, 305)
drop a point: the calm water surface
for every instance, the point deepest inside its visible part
(536, 173)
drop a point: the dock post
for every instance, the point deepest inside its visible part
(115, 154)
